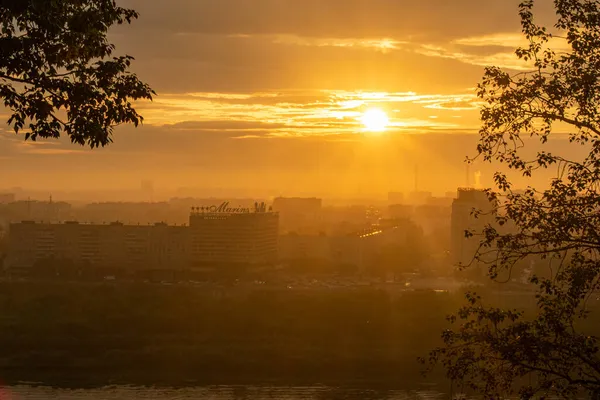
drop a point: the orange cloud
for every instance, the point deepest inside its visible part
(318, 113)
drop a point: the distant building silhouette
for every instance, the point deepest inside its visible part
(47, 211)
(229, 235)
(400, 211)
(431, 217)
(6, 198)
(395, 198)
(147, 189)
(360, 249)
(298, 214)
(419, 197)
(114, 245)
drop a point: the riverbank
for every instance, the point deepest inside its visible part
(94, 379)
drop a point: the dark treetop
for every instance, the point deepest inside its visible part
(553, 350)
(58, 74)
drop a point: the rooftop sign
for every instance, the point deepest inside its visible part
(224, 208)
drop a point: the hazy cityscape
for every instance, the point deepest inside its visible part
(299, 199)
(410, 238)
(216, 253)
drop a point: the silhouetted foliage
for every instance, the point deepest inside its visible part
(3, 248)
(57, 72)
(498, 352)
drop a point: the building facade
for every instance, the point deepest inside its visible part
(233, 235)
(468, 201)
(214, 237)
(6, 198)
(115, 245)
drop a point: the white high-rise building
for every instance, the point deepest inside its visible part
(469, 200)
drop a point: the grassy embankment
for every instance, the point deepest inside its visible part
(95, 334)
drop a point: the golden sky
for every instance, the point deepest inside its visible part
(270, 94)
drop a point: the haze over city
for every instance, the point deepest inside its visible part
(269, 99)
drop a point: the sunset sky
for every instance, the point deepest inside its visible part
(269, 94)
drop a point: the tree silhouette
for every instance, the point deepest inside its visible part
(552, 351)
(57, 72)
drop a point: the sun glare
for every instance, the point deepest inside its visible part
(375, 120)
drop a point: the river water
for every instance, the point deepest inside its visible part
(213, 393)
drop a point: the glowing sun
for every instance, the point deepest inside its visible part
(375, 120)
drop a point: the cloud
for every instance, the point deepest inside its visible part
(431, 19)
(220, 64)
(51, 151)
(227, 125)
(267, 45)
(225, 65)
(506, 60)
(326, 113)
(384, 44)
(230, 46)
(496, 49)
(509, 39)
(14, 146)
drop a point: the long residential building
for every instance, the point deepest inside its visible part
(215, 236)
